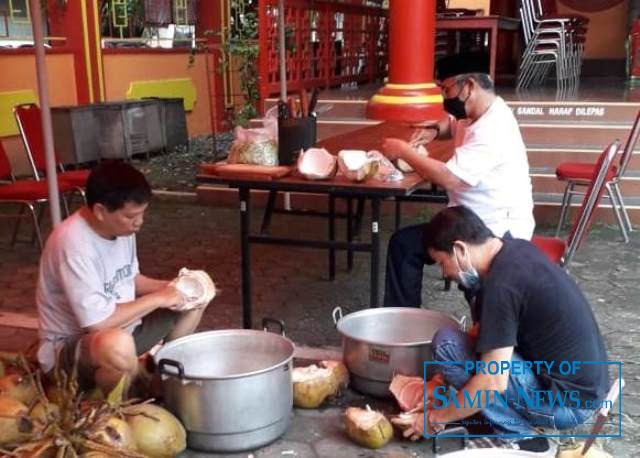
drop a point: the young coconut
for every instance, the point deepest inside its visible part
(317, 164)
(356, 165)
(13, 423)
(196, 286)
(19, 387)
(339, 374)
(367, 427)
(312, 385)
(114, 433)
(158, 434)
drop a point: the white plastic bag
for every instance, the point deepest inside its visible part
(257, 146)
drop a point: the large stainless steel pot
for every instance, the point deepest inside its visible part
(379, 343)
(231, 389)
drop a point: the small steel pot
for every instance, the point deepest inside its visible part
(379, 343)
(231, 389)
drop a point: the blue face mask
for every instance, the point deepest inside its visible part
(469, 279)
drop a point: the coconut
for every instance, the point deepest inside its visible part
(196, 286)
(367, 427)
(311, 386)
(403, 166)
(575, 451)
(115, 433)
(13, 425)
(356, 165)
(21, 388)
(317, 164)
(157, 432)
(339, 374)
(44, 411)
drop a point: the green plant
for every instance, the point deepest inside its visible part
(242, 43)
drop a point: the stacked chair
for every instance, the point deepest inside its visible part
(552, 42)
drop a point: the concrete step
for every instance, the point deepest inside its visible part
(591, 112)
(545, 181)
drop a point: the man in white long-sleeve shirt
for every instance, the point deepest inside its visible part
(95, 307)
(488, 173)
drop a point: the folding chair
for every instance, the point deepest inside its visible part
(561, 251)
(29, 195)
(577, 174)
(30, 126)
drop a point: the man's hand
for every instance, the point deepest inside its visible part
(394, 148)
(170, 298)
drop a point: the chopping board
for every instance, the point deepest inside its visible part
(262, 172)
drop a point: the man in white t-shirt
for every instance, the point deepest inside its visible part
(488, 173)
(96, 309)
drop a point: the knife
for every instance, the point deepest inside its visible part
(304, 103)
(314, 100)
(612, 396)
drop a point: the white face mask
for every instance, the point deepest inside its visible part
(469, 279)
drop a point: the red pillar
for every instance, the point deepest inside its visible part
(79, 22)
(410, 94)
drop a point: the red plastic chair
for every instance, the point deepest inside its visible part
(30, 126)
(578, 174)
(561, 251)
(31, 195)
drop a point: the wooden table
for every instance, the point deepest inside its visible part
(375, 191)
(491, 24)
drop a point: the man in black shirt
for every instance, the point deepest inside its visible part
(534, 334)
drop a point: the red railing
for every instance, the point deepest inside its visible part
(328, 44)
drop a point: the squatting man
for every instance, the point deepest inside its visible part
(97, 310)
(533, 332)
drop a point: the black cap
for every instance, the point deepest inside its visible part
(458, 64)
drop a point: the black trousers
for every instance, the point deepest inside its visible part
(406, 257)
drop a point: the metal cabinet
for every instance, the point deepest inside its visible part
(118, 130)
(75, 134)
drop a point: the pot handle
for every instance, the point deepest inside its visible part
(337, 315)
(278, 323)
(169, 362)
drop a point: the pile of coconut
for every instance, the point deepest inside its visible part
(59, 420)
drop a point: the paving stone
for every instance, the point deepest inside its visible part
(293, 284)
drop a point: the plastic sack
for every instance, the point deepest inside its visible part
(386, 170)
(257, 146)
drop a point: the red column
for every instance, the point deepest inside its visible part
(78, 21)
(410, 94)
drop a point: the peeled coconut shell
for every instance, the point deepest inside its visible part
(404, 167)
(196, 286)
(317, 164)
(312, 385)
(157, 432)
(21, 388)
(12, 423)
(339, 374)
(367, 427)
(356, 165)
